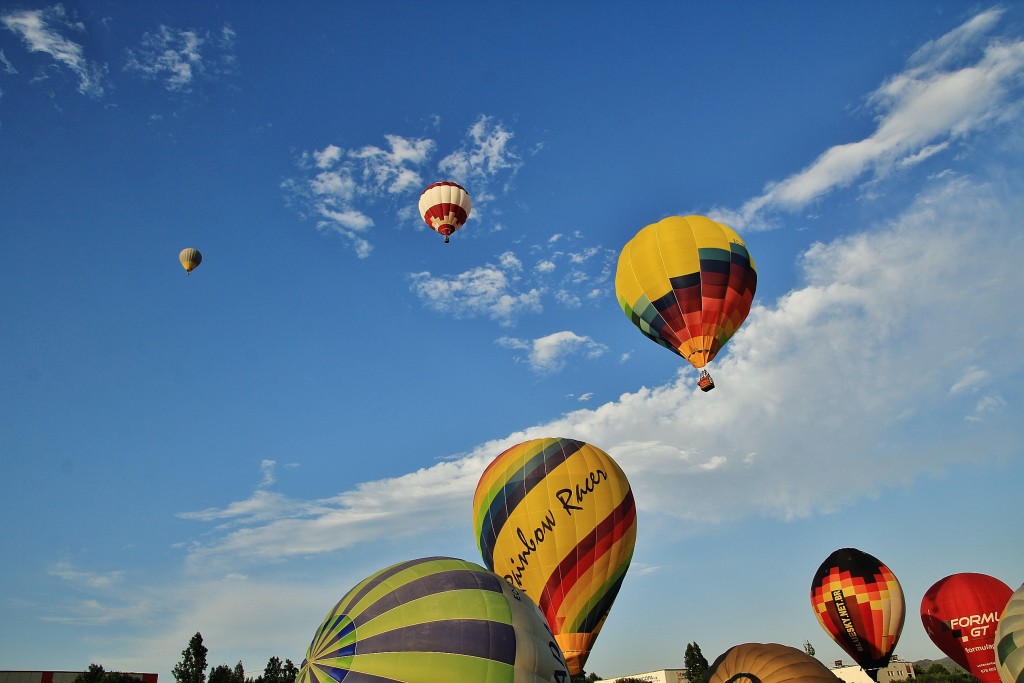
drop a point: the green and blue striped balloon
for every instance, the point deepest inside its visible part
(1009, 639)
(434, 620)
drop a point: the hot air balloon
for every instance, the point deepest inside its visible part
(960, 613)
(556, 518)
(688, 283)
(433, 619)
(1009, 639)
(768, 663)
(859, 602)
(190, 259)
(445, 207)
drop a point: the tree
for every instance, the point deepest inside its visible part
(192, 667)
(221, 673)
(696, 665)
(808, 648)
(96, 674)
(937, 673)
(276, 672)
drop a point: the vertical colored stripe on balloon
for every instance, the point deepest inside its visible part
(595, 544)
(515, 484)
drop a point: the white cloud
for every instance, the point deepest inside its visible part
(839, 370)
(40, 30)
(390, 170)
(549, 354)
(64, 570)
(972, 377)
(267, 468)
(179, 56)
(346, 188)
(545, 266)
(485, 291)
(505, 290)
(952, 87)
(327, 157)
(992, 403)
(486, 154)
(8, 68)
(372, 510)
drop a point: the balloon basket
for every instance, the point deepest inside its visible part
(705, 382)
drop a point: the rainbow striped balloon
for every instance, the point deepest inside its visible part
(429, 620)
(556, 518)
(687, 282)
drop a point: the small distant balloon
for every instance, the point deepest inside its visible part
(1009, 640)
(190, 259)
(768, 663)
(445, 207)
(429, 620)
(860, 604)
(960, 614)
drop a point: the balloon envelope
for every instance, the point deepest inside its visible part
(1009, 639)
(445, 207)
(556, 518)
(859, 602)
(960, 613)
(687, 282)
(190, 259)
(768, 663)
(433, 619)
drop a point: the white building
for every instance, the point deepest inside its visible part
(660, 676)
(898, 670)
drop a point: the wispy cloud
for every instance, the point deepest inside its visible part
(178, 57)
(971, 379)
(566, 271)
(486, 155)
(549, 354)
(345, 190)
(492, 290)
(952, 87)
(372, 510)
(833, 373)
(41, 31)
(8, 68)
(64, 570)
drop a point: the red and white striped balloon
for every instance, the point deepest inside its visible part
(445, 207)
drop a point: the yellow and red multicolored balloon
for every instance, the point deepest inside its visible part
(556, 518)
(433, 619)
(960, 614)
(859, 602)
(190, 259)
(445, 207)
(1009, 639)
(768, 663)
(687, 282)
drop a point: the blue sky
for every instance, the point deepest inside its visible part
(230, 452)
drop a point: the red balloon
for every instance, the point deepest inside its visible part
(960, 614)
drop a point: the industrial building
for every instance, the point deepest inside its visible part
(59, 676)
